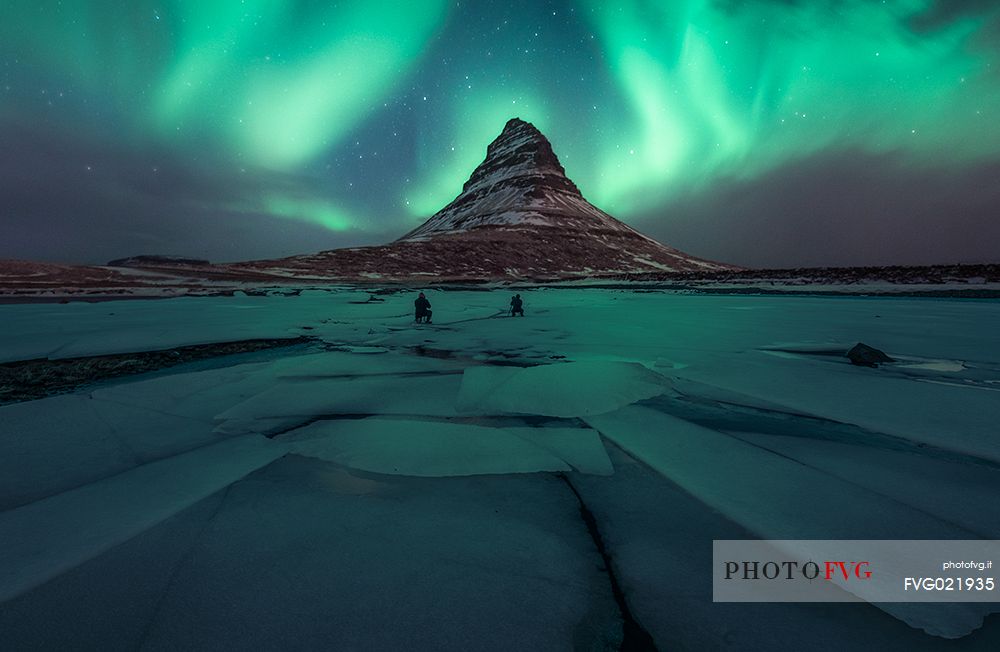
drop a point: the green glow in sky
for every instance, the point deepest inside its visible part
(284, 88)
(309, 210)
(275, 82)
(714, 91)
(382, 109)
(705, 89)
(475, 121)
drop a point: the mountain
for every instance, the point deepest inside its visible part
(518, 216)
(520, 185)
(149, 260)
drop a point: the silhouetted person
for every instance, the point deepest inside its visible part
(423, 308)
(516, 306)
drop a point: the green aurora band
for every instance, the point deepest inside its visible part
(715, 91)
(672, 95)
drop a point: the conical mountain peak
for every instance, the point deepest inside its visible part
(520, 132)
(519, 182)
(517, 124)
(518, 216)
(518, 128)
(522, 153)
(518, 208)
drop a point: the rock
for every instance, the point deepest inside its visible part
(867, 356)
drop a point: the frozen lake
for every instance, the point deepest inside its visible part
(460, 485)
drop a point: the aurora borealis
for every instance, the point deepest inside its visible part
(767, 132)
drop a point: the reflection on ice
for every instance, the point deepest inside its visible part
(429, 478)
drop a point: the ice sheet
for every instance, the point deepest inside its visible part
(57, 443)
(421, 448)
(41, 540)
(306, 555)
(334, 364)
(779, 498)
(431, 395)
(949, 416)
(558, 390)
(581, 448)
(711, 347)
(659, 538)
(962, 493)
(195, 394)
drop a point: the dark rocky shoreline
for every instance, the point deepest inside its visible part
(27, 380)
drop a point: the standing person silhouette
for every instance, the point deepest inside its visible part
(423, 309)
(516, 306)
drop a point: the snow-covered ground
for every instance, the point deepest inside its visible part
(399, 486)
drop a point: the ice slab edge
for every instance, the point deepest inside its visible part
(570, 389)
(43, 539)
(421, 448)
(779, 498)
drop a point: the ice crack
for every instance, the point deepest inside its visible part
(634, 637)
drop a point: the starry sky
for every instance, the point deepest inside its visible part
(769, 133)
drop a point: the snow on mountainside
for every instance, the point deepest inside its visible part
(521, 188)
(521, 183)
(517, 217)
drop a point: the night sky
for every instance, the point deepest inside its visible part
(762, 133)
